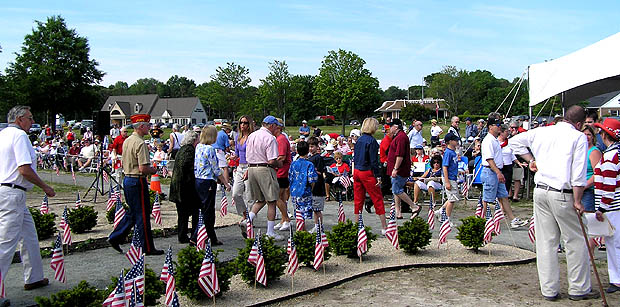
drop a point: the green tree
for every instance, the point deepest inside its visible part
(417, 91)
(394, 92)
(416, 111)
(53, 73)
(275, 88)
(345, 86)
(119, 88)
(229, 89)
(452, 85)
(302, 104)
(179, 87)
(146, 86)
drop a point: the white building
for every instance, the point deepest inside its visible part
(186, 110)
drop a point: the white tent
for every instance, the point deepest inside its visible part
(585, 73)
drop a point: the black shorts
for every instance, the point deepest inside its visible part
(283, 183)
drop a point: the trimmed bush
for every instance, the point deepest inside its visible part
(81, 295)
(188, 269)
(343, 238)
(471, 232)
(46, 227)
(275, 260)
(316, 122)
(413, 235)
(110, 214)
(82, 219)
(305, 242)
(154, 288)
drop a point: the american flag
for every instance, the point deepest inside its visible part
(256, 258)
(136, 273)
(293, 261)
(392, 231)
(111, 201)
(167, 263)
(106, 178)
(362, 240)
(224, 203)
(73, 174)
(323, 235)
(201, 232)
(598, 241)
(249, 228)
(58, 261)
(300, 224)
(445, 227)
(119, 214)
(175, 301)
(170, 284)
(164, 171)
(207, 279)
(66, 229)
(117, 297)
(431, 215)
(465, 189)
(479, 212)
(136, 298)
(156, 214)
(530, 232)
(345, 181)
(341, 217)
(78, 201)
(135, 250)
(498, 216)
(319, 248)
(45, 209)
(489, 226)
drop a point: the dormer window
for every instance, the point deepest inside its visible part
(138, 108)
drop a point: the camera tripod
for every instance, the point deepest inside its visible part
(99, 177)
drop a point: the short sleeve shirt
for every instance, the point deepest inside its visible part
(284, 149)
(135, 154)
(261, 147)
(304, 129)
(302, 174)
(319, 166)
(449, 160)
(221, 142)
(399, 148)
(490, 149)
(15, 150)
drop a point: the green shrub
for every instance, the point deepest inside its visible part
(316, 122)
(471, 232)
(343, 238)
(275, 260)
(82, 219)
(188, 269)
(110, 214)
(154, 288)
(414, 234)
(46, 227)
(305, 243)
(81, 295)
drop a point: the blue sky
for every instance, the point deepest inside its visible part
(401, 41)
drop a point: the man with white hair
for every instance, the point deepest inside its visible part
(17, 175)
(415, 135)
(454, 127)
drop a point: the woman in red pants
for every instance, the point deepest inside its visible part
(366, 174)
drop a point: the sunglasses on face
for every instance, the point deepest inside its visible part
(244, 123)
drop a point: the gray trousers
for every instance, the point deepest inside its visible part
(240, 189)
(555, 218)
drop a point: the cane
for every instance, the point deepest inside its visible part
(591, 254)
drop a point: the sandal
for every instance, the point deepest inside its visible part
(415, 214)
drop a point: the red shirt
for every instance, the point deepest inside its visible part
(399, 148)
(74, 150)
(117, 144)
(284, 149)
(333, 135)
(424, 159)
(342, 168)
(384, 147)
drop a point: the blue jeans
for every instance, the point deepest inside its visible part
(587, 200)
(398, 185)
(491, 188)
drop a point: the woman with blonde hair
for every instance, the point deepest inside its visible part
(207, 172)
(366, 174)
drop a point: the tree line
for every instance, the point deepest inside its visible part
(53, 73)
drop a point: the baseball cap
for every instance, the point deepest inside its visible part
(396, 121)
(304, 121)
(271, 120)
(494, 122)
(450, 137)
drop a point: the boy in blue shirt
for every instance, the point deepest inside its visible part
(450, 169)
(302, 177)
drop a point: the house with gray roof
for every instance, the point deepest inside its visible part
(391, 108)
(182, 111)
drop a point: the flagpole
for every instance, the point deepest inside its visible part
(510, 231)
(292, 283)
(144, 272)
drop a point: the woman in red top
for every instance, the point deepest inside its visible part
(336, 170)
(419, 155)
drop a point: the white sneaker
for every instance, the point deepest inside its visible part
(278, 225)
(276, 236)
(290, 215)
(383, 231)
(313, 230)
(285, 226)
(517, 222)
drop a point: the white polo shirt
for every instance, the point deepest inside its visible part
(15, 151)
(490, 149)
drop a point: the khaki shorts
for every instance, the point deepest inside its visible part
(517, 174)
(263, 184)
(453, 194)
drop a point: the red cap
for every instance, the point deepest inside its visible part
(611, 126)
(140, 118)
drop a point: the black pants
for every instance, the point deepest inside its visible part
(206, 189)
(184, 211)
(507, 172)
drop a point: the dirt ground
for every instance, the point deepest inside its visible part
(504, 286)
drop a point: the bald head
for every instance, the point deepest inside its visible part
(575, 115)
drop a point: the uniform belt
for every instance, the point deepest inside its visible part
(260, 165)
(548, 188)
(12, 185)
(135, 176)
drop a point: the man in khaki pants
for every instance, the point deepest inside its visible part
(559, 159)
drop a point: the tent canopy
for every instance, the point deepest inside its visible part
(585, 73)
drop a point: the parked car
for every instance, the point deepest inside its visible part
(326, 117)
(71, 123)
(164, 126)
(35, 129)
(3, 125)
(86, 123)
(219, 121)
(209, 123)
(354, 122)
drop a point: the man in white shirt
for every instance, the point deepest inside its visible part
(560, 153)
(87, 154)
(493, 181)
(114, 132)
(415, 135)
(17, 175)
